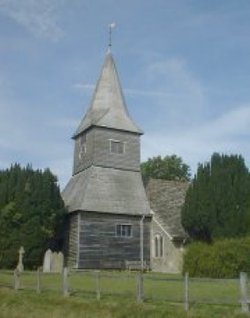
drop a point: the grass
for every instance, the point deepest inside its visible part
(26, 304)
(208, 298)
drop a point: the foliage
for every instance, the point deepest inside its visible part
(31, 214)
(168, 168)
(222, 259)
(217, 203)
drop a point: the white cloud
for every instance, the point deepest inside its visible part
(182, 99)
(4, 164)
(37, 16)
(11, 133)
(234, 123)
(197, 143)
(174, 76)
(64, 123)
(84, 86)
(128, 91)
(150, 93)
(63, 169)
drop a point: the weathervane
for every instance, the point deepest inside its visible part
(111, 26)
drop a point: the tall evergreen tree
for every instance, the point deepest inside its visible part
(31, 214)
(218, 201)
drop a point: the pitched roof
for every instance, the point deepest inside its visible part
(108, 107)
(106, 190)
(165, 199)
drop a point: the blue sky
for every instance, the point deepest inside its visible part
(184, 67)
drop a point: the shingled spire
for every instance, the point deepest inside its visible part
(108, 107)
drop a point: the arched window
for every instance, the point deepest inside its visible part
(158, 245)
(161, 245)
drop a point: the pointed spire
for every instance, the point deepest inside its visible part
(108, 107)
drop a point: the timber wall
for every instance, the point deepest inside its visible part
(99, 247)
(98, 150)
(72, 259)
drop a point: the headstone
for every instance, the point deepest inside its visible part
(60, 262)
(47, 261)
(20, 267)
(53, 262)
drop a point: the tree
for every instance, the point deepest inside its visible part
(31, 214)
(217, 202)
(168, 168)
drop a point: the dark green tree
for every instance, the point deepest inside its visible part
(32, 214)
(168, 168)
(217, 202)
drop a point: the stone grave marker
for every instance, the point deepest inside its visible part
(20, 266)
(47, 261)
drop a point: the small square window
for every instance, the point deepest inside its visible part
(116, 146)
(124, 230)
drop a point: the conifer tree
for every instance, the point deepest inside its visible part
(217, 203)
(31, 214)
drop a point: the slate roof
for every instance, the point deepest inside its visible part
(165, 199)
(108, 107)
(106, 190)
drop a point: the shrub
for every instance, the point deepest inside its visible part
(222, 259)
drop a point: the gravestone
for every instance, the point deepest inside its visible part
(47, 261)
(60, 261)
(57, 262)
(20, 267)
(53, 262)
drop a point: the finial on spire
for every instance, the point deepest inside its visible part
(111, 26)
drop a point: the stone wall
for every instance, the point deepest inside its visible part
(172, 258)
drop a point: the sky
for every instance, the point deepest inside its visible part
(184, 66)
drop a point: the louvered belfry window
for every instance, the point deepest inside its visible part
(117, 146)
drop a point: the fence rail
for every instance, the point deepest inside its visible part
(135, 285)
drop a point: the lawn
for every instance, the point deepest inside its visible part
(164, 296)
(26, 304)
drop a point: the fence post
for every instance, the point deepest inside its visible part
(140, 287)
(98, 289)
(186, 290)
(16, 279)
(65, 282)
(243, 292)
(38, 281)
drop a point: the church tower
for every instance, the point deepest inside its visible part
(105, 196)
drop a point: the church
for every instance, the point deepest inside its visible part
(111, 222)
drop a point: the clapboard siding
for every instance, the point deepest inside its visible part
(98, 150)
(99, 247)
(129, 160)
(86, 160)
(73, 240)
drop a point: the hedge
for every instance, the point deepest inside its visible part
(222, 259)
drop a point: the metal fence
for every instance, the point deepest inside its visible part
(134, 285)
